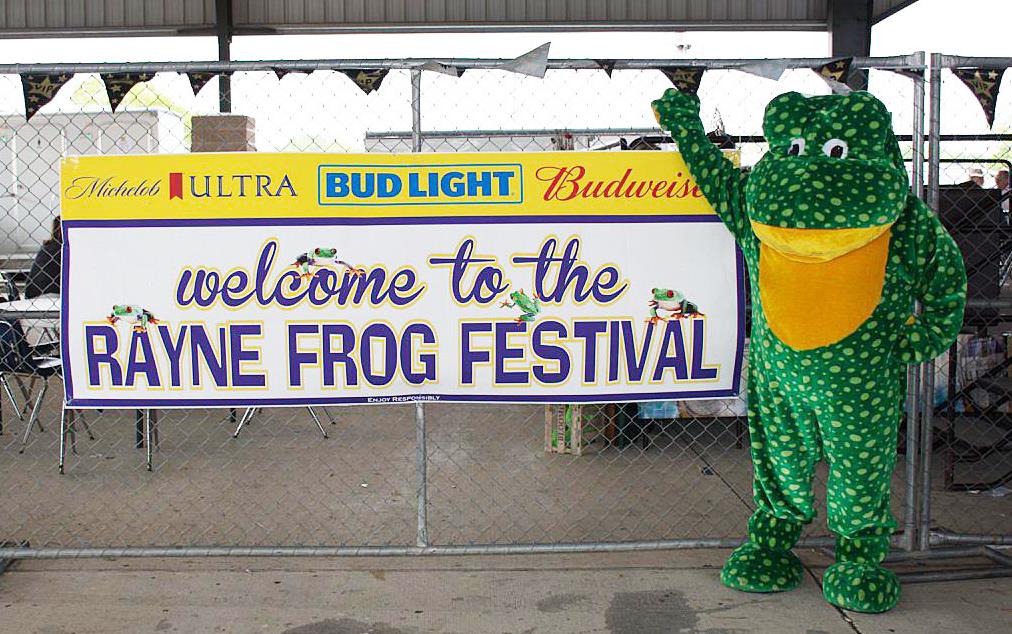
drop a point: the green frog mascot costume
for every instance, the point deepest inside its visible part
(838, 250)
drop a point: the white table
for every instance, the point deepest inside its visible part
(41, 307)
(39, 316)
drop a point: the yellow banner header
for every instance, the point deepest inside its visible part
(259, 185)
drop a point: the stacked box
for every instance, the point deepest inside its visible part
(222, 133)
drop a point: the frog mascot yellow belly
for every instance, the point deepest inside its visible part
(838, 251)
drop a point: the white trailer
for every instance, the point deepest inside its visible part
(30, 154)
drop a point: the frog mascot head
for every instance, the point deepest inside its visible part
(833, 179)
(839, 252)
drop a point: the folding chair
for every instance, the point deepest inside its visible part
(18, 359)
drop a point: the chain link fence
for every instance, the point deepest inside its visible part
(968, 468)
(390, 479)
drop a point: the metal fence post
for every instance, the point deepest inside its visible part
(928, 377)
(910, 524)
(421, 472)
(416, 110)
(421, 457)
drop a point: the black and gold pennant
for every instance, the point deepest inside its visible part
(198, 79)
(837, 70)
(367, 80)
(984, 83)
(117, 85)
(40, 88)
(684, 78)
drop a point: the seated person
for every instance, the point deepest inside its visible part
(44, 276)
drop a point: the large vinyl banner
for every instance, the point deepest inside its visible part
(300, 279)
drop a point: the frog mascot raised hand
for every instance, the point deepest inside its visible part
(838, 250)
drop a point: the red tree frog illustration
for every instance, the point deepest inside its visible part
(141, 317)
(671, 302)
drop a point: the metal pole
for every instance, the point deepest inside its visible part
(909, 538)
(421, 453)
(934, 129)
(223, 30)
(928, 380)
(387, 551)
(954, 575)
(917, 142)
(946, 537)
(147, 437)
(421, 474)
(416, 110)
(927, 436)
(309, 65)
(63, 437)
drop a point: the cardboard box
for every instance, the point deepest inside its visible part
(222, 133)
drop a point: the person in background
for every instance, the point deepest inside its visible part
(1001, 182)
(976, 176)
(44, 276)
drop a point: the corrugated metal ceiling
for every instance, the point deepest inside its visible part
(21, 18)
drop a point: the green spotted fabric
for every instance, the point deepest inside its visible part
(833, 163)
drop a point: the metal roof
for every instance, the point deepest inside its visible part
(68, 18)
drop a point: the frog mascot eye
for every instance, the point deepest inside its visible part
(835, 148)
(797, 147)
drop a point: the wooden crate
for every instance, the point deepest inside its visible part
(572, 427)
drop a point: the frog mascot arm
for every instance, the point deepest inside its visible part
(720, 181)
(839, 253)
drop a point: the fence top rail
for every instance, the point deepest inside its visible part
(914, 61)
(960, 61)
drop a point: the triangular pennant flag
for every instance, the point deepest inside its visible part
(907, 72)
(533, 63)
(768, 69)
(40, 88)
(684, 78)
(281, 72)
(837, 70)
(199, 79)
(117, 85)
(607, 65)
(835, 74)
(367, 80)
(439, 67)
(984, 83)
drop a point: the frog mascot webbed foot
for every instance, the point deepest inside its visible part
(838, 252)
(857, 581)
(765, 562)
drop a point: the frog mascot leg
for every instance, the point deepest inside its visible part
(838, 251)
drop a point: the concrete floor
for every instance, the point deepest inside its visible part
(629, 593)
